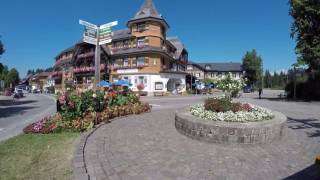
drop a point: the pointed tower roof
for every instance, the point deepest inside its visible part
(147, 11)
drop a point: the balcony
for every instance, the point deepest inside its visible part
(87, 69)
(86, 55)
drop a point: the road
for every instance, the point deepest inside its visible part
(14, 116)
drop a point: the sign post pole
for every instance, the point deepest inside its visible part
(97, 36)
(97, 61)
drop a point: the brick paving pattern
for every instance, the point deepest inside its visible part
(149, 147)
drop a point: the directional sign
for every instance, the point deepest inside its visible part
(108, 25)
(87, 24)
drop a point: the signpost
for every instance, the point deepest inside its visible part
(97, 35)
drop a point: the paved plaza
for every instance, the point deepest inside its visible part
(148, 146)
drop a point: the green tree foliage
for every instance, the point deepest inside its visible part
(2, 50)
(267, 79)
(306, 30)
(252, 63)
(12, 77)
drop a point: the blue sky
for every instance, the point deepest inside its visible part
(35, 31)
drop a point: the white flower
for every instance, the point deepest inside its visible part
(257, 114)
(94, 95)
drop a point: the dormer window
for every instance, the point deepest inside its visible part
(208, 67)
(141, 27)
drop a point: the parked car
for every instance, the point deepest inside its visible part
(18, 94)
(248, 89)
(35, 91)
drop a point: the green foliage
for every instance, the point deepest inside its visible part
(275, 80)
(12, 77)
(2, 50)
(252, 63)
(218, 105)
(306, 31)
(230, 85)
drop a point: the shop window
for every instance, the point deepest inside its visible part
(158, 85)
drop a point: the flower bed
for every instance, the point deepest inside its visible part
(223, 109)
(80, 110)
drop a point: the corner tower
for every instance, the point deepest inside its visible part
(149, 23)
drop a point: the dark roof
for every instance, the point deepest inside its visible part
(221, 67)
(177, 44)
(121, 34)
(69, 49)
(147, 10)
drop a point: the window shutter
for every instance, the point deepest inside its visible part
(134, 61)
(146, 41)
(146, 61)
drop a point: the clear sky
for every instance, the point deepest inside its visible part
(35, 31)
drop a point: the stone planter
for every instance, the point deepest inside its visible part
(231, 132)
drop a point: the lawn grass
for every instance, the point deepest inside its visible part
(29, 156)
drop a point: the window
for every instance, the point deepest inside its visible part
(140, 61)
(126, 44)
(141, 26)
(158, 85)
(154, 62)
(189, 67)
(141, 80)
(125, 62)
(207, 67)
(140, 42)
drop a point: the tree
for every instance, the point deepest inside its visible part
(306, 31)
(252, 63)
(267, 79)
(2, 50)
(12, 78)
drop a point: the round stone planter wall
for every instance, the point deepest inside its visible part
(231, 132)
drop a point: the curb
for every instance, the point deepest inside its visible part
(79, 167)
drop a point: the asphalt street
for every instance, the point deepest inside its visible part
(15, 115)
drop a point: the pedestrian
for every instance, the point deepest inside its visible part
(260, 92)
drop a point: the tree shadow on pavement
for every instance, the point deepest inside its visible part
(15, 103)
(10, 111)
(313, 125)
(310, 173)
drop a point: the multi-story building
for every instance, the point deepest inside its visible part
(141, 54)
(204, 71)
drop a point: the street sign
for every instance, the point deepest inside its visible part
(114, 23)
(87, 24)
(97, 36)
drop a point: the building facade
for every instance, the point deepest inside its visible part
(141, 54)
(203, 71)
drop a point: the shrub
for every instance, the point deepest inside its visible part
(80, 111)
(222, 104)
(230, 85)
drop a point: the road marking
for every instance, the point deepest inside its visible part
(155, 105)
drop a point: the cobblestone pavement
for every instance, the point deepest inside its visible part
(148, 146)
